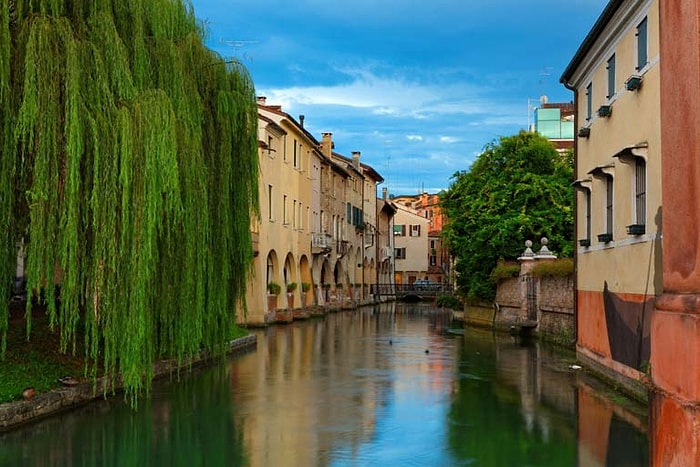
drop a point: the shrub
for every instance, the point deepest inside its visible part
(560, 268)
(504, 271)
(273, 288)
(291, 287)
(305, 286)
(449, 301)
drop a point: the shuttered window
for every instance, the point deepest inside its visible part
(640, 190)
(642, 44)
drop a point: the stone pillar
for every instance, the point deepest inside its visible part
(675, 325)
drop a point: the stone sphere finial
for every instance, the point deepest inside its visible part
(527, 254)
(544, 251)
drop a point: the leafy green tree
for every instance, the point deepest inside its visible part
(517, 189)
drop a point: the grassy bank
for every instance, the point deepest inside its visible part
(37, 362)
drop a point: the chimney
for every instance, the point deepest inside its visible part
(384, 193)
(327, 144)
(301, 120)
(356, 159)
(262, 100)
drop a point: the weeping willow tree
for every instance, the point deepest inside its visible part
(129, 164)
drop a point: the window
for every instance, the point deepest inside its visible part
(294, 215)
(642, 44)
(640, 190)
(348, 214)
(433, 260)
(415, 230)
(400, 230)
(588, 214)
(589, 101)
(609, 205)
(285, 221)
(297, 157)
(269, 146)
(400, 253)
(432, 244)
(269, 202)
(611, 76)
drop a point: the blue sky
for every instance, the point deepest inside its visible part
(418, 87)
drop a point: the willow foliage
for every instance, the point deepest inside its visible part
(129, 165)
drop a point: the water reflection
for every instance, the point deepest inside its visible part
(379, 386)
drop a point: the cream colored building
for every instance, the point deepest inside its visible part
(290, 166)
(317, 221)
(615, 78)
(410, 245)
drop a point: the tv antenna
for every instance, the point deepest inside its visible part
(237, 44)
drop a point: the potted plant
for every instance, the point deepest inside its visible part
(305, 287)
(273, 290)
(291, 287)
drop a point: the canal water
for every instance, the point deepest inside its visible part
(380, 386)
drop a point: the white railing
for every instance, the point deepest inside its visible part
(322, 241)
(386, 253)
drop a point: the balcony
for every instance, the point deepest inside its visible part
(385, 253)
(342, 247)
(321, 243)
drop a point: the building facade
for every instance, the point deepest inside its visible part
(440, 261)
(314, 240)
(410, 245)
(555, 121)
(615, 79)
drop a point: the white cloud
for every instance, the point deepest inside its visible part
(394, 96)
(448, 139)
(414, 137)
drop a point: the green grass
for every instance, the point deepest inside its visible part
(37, 362)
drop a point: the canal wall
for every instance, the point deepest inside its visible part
(554, 313)
(544, 303)
(15, 414)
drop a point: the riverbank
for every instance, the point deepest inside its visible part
(73, 392)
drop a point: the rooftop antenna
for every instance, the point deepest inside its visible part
(237, 44)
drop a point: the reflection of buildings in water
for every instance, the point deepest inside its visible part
(547, 389)
(337, 373)
(600, 426)
(286, 400)
(543, 392)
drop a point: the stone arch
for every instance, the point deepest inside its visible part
(272, 268)
(325, 281)
(306, 277)
(289, 275)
